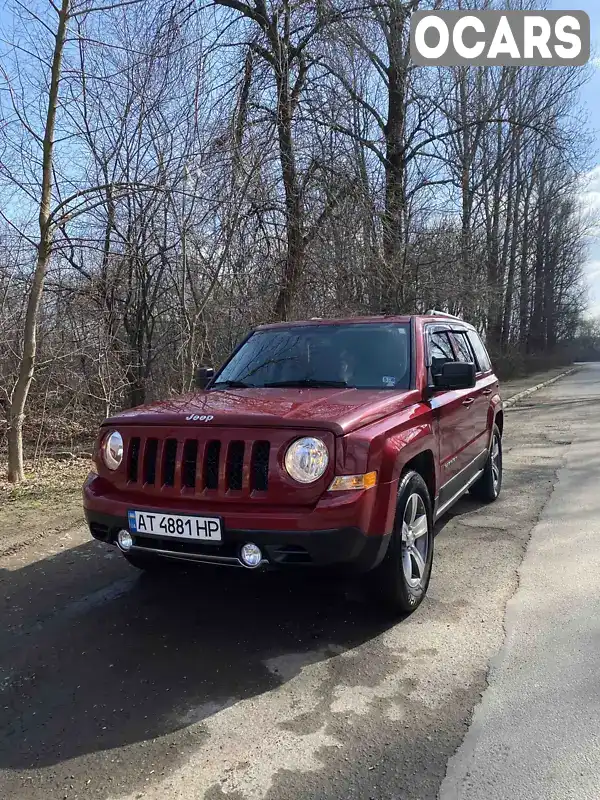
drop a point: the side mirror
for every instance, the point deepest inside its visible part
(204, 376)
(455, 375)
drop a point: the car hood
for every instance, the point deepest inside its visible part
(337, 410)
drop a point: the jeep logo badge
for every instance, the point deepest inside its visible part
(198, 418)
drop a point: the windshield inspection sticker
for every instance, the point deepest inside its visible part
(389, 380)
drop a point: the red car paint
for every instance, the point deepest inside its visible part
(365, 430)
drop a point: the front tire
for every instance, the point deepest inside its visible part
(402, 578)
(488, 486)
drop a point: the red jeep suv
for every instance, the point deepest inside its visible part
(325, 442)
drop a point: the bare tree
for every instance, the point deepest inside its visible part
(207, 168)
(50, 215)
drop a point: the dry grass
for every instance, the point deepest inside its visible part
(48, 478)
(49, 500)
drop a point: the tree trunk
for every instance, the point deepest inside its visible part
(15, 447)
(495, 276)
(510, 281)
(293, 202)
(524, 279)
(393, 218)
(549, 288)
(27, 364)
(536, 329)
(509, 248)
(466, 156)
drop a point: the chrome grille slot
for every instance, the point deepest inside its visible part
(260, 466)
(168, 466)
(211, 465)
(235, 465)
(188, 468)
(150, 461)
(134, 459)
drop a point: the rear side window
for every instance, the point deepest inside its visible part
(481, 355)
(463, 350)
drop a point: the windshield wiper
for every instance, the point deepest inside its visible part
(231, 385)
(312, 383)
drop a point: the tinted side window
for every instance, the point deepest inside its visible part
(440, 350)
(463, 350)
(483, 360)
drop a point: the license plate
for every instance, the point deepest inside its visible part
(176, 526)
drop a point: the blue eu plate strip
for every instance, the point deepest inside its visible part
(132, 525)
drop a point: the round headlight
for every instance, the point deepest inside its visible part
(306, 459)
(112, 450)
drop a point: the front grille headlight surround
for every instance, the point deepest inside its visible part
(307, 459)
(112, 450)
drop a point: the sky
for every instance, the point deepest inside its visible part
(590, 192)
(591, 181)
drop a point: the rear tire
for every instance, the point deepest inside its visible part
(402, 578)
(488, 486)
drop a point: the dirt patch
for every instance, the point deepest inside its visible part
(48, 502)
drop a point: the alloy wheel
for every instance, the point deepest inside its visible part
(415, 541)
(496, 463)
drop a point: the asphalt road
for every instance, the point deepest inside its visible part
(218, 684)
(536, 734)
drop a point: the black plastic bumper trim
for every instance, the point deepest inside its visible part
(348, 547)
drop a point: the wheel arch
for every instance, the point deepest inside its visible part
(424, 464)
(499, 421)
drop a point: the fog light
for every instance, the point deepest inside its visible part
(125, 540)
(251, 555)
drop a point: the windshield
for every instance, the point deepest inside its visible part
(361, 356)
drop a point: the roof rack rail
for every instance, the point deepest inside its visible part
(434, 312)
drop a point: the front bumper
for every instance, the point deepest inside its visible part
(345, 528)
(346, 547)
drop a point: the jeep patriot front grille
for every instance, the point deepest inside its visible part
(196, 465)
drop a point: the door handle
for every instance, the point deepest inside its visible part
(486, 391)
(468, 401)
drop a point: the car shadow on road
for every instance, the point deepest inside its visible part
(146, 656)
(464, 506)
(96, 657)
